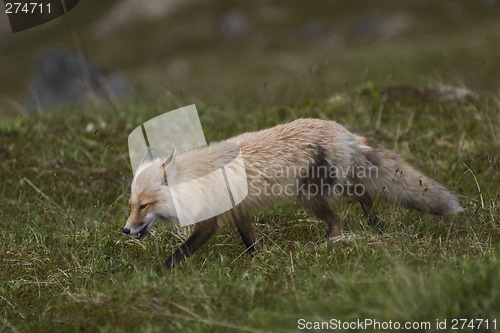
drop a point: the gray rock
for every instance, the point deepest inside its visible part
(63, 78)
(314, 30)
(490, 3)
(234, 25)
(382, 26)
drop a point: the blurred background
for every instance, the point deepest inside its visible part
(248, 54)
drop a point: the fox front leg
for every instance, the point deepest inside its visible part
(201, 234)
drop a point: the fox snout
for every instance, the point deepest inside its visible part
(133, 222)
(140, 221)
(139, 229)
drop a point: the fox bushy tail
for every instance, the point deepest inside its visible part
(397, 182)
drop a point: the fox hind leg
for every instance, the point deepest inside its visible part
(366, 203)
(316, 188)
(320, 207)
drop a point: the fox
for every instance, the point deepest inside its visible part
(314, 161)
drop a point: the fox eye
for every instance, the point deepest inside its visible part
(143, 206)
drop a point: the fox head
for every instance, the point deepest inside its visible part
(149, 198)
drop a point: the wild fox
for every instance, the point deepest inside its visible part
(309, 159)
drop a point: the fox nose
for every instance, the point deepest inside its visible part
(126, 231)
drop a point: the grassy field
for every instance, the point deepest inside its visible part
(67, 267)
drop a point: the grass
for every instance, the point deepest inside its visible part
(67, 267)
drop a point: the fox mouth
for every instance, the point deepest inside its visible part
(144, 228)
(143, 232)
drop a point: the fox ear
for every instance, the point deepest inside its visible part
(170, 158)
(151, 155)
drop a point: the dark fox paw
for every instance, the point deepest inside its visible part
(160, 270)
(377, 224)
(168, 265)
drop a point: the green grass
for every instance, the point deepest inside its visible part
(65, 266)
